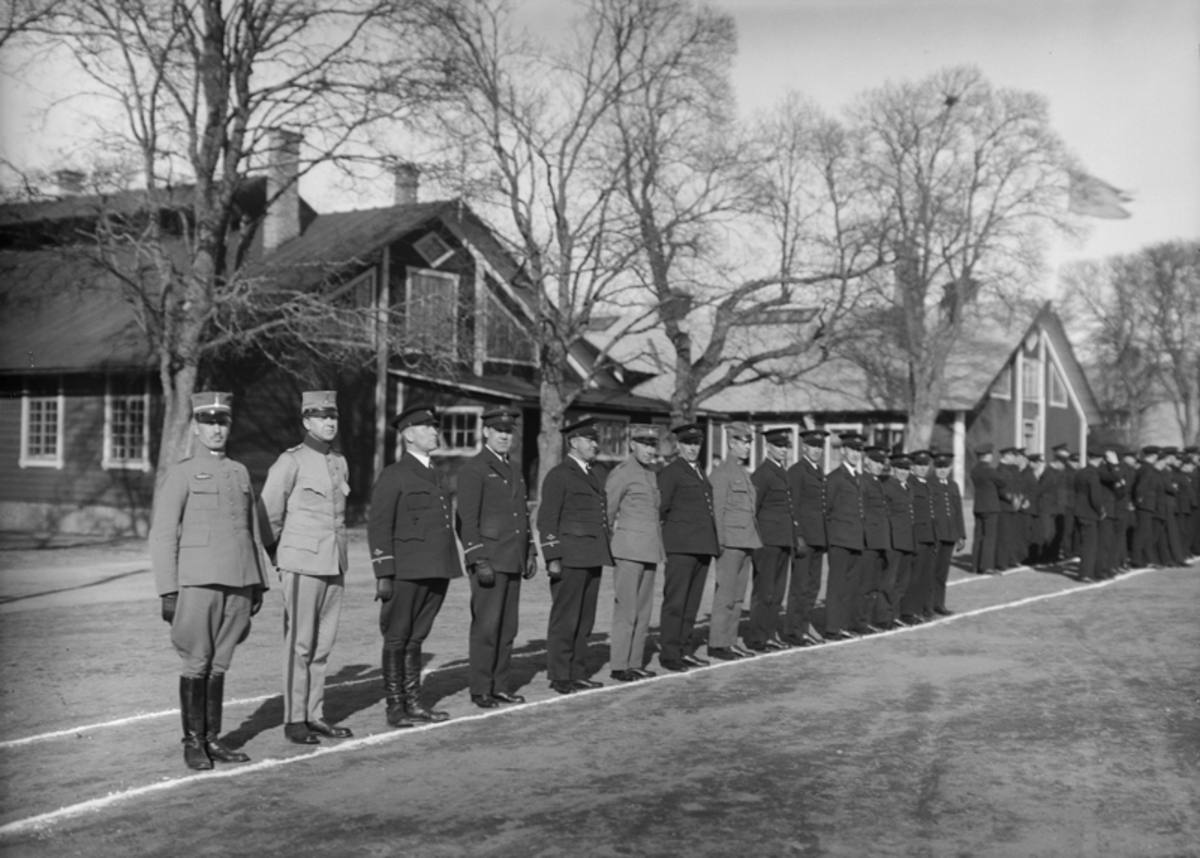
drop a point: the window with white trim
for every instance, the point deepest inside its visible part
(1031, 380)
(614, 438)
(889, 436)
(431, 312)
(126, 429)
(1058, 388)
(42, 431)
(1029, 433)
(506, 339)
(1002, 386)
(460, 431)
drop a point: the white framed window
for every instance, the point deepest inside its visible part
(461, 430)
(431, 312)
(42, 430)
(614, 438)
(1029, 436)
(889, 436)
(1002, 386)
(1058, 388)
(1031, 380)
(505, 339)
(126, 429)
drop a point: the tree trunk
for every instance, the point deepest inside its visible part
(923, 408)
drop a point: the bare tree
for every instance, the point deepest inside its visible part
(21, 17)
(1142, 311)
(970, 180)
(196, 92)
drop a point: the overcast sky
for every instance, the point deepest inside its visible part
(1122, 78)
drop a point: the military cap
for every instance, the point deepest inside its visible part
(921, 457)
(876, 454)
(322, 403)
(901, 461)
(584, 428)
(984, 449)
(212, 401)
(1192, 450)
(741, 430)
(853, 440)
(1128, 452)
(778, 437)
(1096, 452)
(814, 437)
(1035, 457)
(1009, 451)
(1151, 450)
(1061, 450)
(1168, 451)
(1074, 457)
(504, 419)
(942, 460)
(689, 433)
(418, 415)
(1020, 451)
(645, 433)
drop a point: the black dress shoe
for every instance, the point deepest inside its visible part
(723, 653)
(743, 652)
(841, 635)
(624, 676)
(943, 612)
(507, 698)
(583, 684)
(674, 666)
(485, 701)
(562, 686)
(756, 646)
(694, 661)
(329, 730)
(642, 673)
(299, 733)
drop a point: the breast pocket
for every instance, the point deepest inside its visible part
(203, 494)
(414, 515)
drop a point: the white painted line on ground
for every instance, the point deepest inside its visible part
(44, 819)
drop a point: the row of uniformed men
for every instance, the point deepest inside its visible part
(1115, 510)
(889, 539)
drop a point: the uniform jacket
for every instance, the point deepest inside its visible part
(948, 523)
(1010, 486)
(493, 513)
(203, 529)
(1146, 488)
(1028, 489)
(303, 505)
(1047, 495)
(775, 509)
(410, 530)
(573, 517)
(633, 502)
(688, 524)
(1089, 505)
(807, 482)
(1167, 504)
(1111, 482)
(988, 482)
(922, 495)
(735, 500)
(900, 514)
(844, 509)
(876, 528)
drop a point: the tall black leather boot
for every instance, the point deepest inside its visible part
(191, 708)
(212, 734)
(393, 687)
(412, 689)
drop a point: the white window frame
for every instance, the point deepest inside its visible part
(890, 427)
(493, 301)
(453, 280)
(477, 412)
(29, 461)
(1006, 392)
(1031, 370)
(108, 461)
(1056, 380)
(623, 435)
(1031, 430)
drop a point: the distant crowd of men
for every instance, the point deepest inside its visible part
(1114, 510)
(885, 524)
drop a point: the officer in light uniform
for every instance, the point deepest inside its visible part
(734, 503)
(303, 521)
(493, 520)
(414, 552)
(207, 572)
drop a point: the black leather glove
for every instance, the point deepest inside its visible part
(554, 568)
(168, 607)
(384, 588)
(256, 601)
(530, 566)
(485, 575)
(802, 549)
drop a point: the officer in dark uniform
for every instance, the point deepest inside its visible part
(1089, 510)
(303, 520)
(572, 524)
(948, 527)
(414, 553)
(987, 482)
(874, 594)
(493, 521)
(806, 479)
(844, 520)
(900, 536)
(1126, 511)
(689, 533)
(1146, 488)
(207, 572)
(779, 529)
(916, 597)
(1007, 538)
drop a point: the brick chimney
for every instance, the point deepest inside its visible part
(408, 183)
(282, 220)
